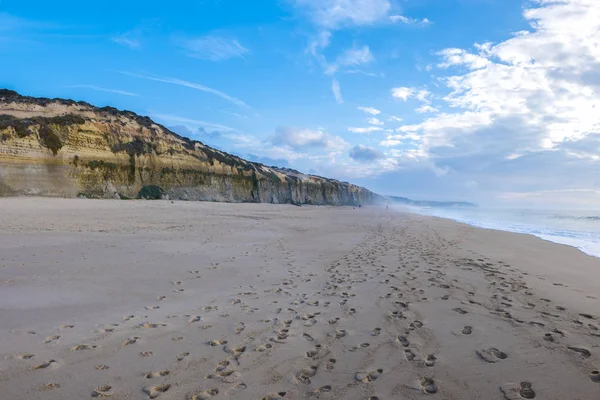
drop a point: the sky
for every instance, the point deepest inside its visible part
(492, 101)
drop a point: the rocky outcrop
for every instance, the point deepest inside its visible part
(55, 147)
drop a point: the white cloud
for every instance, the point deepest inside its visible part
(404, 93)
(103, 89)
(351, 57)
(462, 57)
(191, 85)
(213, 48)
(374, 121)
(426, 108)
(409, 21)
(396, 119)
(369, 129)
(332, 14)
(369, 110)
(308, 138)
(337, 93)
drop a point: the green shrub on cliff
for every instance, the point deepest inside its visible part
(151, 192)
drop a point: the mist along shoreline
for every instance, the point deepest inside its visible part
(153, 299)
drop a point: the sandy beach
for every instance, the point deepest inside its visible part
(188, 300)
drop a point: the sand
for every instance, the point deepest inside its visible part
(134, 300)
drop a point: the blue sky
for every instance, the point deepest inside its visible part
(485, 100)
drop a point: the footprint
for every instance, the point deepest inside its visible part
(149, 325)
(306, 373)
(218, 342)
(236, 352)
(428, 385)
(65, 327)
(240, 328)
(238, 387)
(151, 307)
(416, 325)
(44, 365)
(156, 374)
(322, 389)
(154, 391)
(275, 396)
(146, 353)
(376, 332)
(338, 333)
(83, 347)
(127, 318)
(330, 364)
(460, 311)
(24, 356)
(430, 360)
(51, 339)
(194, 318)
(491, 355)
(181, 356)
(205, 394)
(409, 354)
(22, 332)
(368, 377)
(403, 340)
(131, 340)
(307, 337)
(103, 391)
(595, 376)
(264, 347)
(581, 350)
(467, 330)
(51, 386)
(514, 391)
(159, 298)
(101, 367)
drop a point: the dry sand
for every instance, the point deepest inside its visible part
(134, 300)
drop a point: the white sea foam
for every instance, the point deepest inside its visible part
(576, 228)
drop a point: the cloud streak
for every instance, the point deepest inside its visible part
(188, 84)
(103, 89)
(213, 48)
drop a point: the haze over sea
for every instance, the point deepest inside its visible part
(577, 228)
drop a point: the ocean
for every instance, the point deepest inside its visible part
(577, 228)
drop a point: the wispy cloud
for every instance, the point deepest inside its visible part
(193, 122)
(128, 41)
(331, 14)
(410, 21)
(103, 89)
(368, 129)
(213, 48)
(229, 113)
(337, 93)
(351, 57)
(188, 84)
(374, 121)
(134, 38)
(369, 110)
(426, 108)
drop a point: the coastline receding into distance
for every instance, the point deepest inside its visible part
(196, 300)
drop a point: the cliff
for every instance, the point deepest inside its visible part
(55, 147)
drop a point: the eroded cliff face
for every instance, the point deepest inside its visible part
(54, 147)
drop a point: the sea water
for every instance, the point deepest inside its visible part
(577, 228)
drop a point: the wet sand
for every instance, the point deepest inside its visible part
(135, 300)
